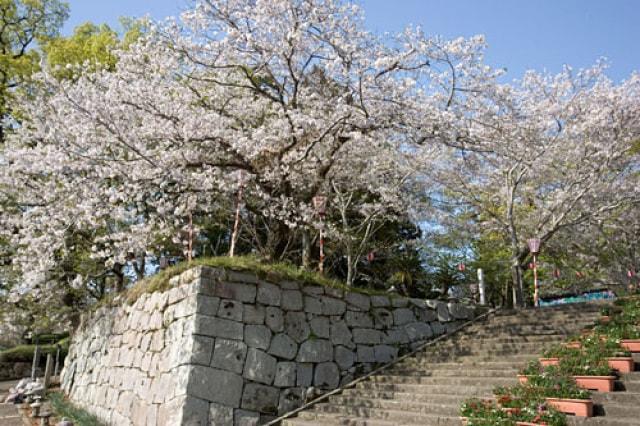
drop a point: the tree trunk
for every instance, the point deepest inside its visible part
(516, 282)
(306, 249)
(350, 269)
(117, 271)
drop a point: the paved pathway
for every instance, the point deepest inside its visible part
(9, 415)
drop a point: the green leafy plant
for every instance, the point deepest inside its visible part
(63, 408)
(527, 404)
(560, 351)
(483, 412)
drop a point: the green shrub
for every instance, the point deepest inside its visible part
(24, 353)
(64, 408)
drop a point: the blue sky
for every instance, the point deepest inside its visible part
(522, 34)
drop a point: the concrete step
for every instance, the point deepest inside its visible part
(429, 389)
(472, 372)
(406, 396)
(397, 416)
(450, 408)
(451, 381)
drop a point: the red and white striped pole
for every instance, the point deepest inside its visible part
(534, 248)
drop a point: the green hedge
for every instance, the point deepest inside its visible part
(24, 353)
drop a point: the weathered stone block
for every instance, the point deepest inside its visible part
(231, 310)
(345, 358)
(425, 315)
(274, 319)
(283, 346)
(254, 314)
(358, 319)
(331, 306)
(380, 301)
(365, 354)
(229, 355)
(313, 290)
(312, 305)
(285, 374)
(367, 336)
(395, 336)
(260, 367)
(257, 336)
(242, 277)
(246, 418)
(269, 294)
(437, 328)
(403, 316)
(218, 327)
(326, 376)
(320, 327)
(357, 301)
(304, 375)
(207, 383)
(318, 350)
(201, 350)
(441, 309)
(384, 353)
(241, 292)
(260, 398)
(208, 305)
(418, 331)
(399, 302)
(290, 399)
(220, 414)
(291, 300)
(460, 311)
(296, 326)
(382, 318)
(341, 334)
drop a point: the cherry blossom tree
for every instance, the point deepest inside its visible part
(547, 154)
(294, 94)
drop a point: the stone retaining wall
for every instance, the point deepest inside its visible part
(15, 370)
(228, 348)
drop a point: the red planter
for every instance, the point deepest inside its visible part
(632, 345)
(577, 407)
(604, 319)
(596, 383)
(574, 345)
(523, 379)
(545, 362)
(622, 364)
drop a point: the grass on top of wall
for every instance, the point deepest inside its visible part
(265, 270)
(63, 408)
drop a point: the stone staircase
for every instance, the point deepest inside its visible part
(9, 415)
(428, 388)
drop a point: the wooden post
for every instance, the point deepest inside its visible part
(36, 360)
(57, 368)
(47, 372)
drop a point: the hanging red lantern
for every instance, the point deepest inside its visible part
(531, 265)
(631, 273)
(370, 257)
(461, 267)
